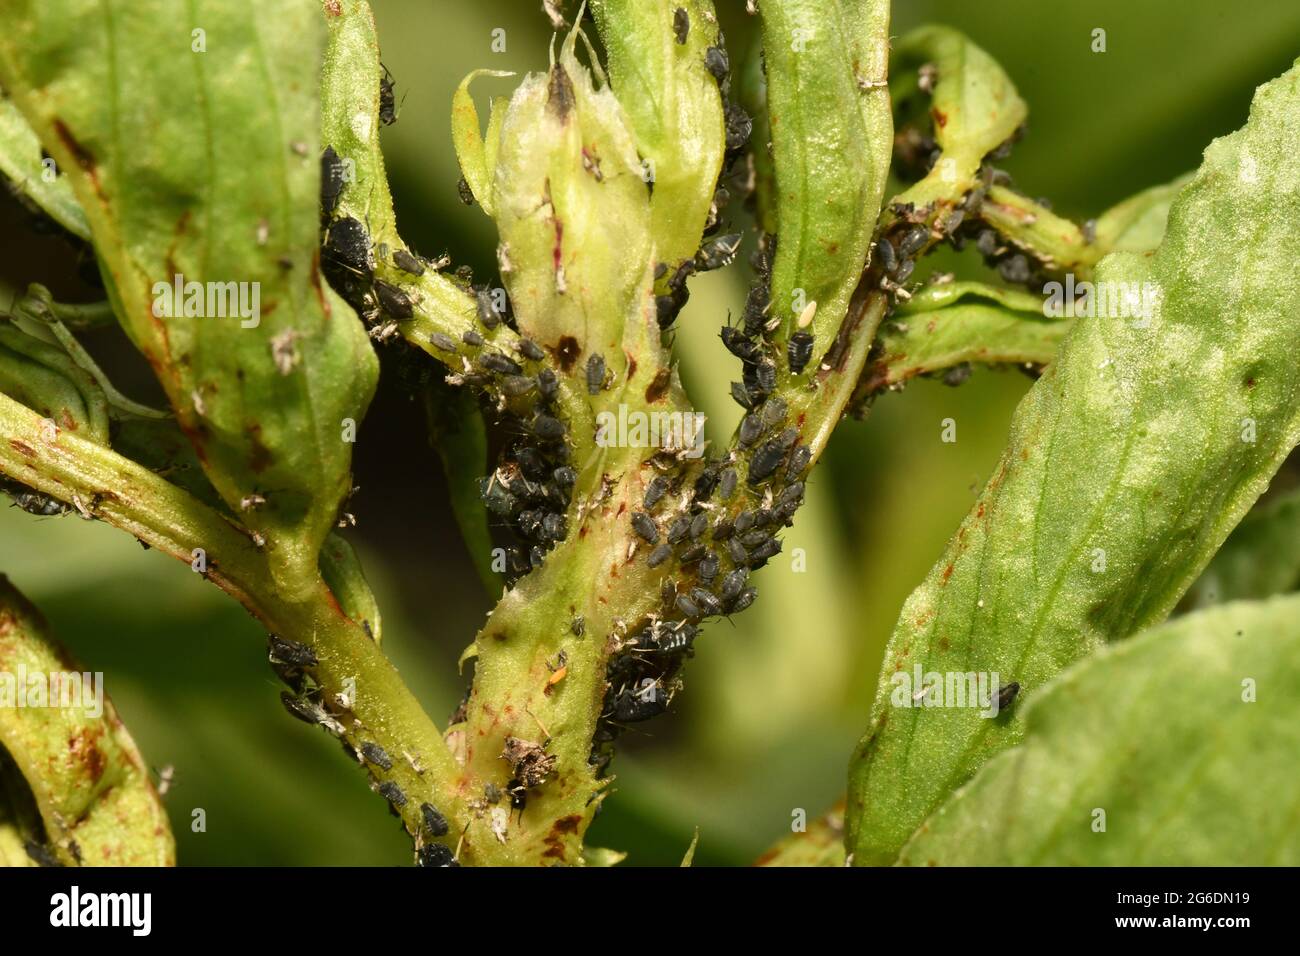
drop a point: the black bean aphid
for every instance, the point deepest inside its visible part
(332, 179)
(681, 25)
(679, 528)
(1007, 693)
(699, 525)
(886, 255)
(470, 337)
(435, 854)
(792, 492)
(717, 62)
(687, 608)
(496, 362)
(531, 350)
(347, 245)
(751, 426)
(706, 601)
(738, 126)
(765, 461)
(798, 351)
(733, 583)
(659, 555)
(736, 551)
(645, 527)
(913, 240)
(548, 383)
(743, 600)
(434, 822)
(488, 313)
(799, 460)
(376, 755)
(760, 555)
(738, 345)
(408, 262)
(595, 373)
(1015, 269)
(631, 707)
(727, 484)
(765, 376)
(565, 476)
(387, 101)
(547, 428)
(744, 521)
(304, 710)
(393, 300)
(708, 568)
(392, 793)
(290, 653)
(724, 529)
(774, 411)
(741, 396)
(657, 488)
(718, 252)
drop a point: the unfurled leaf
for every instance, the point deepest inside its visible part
(1260, 558)
(1176, 748)
(477, 159)
(822, 844)
(198, 168)
(1129, 462)
(341, 569)
(673, 106)
(41, 376)
(828, 112)
(85, 775)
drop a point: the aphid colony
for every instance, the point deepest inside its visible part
(737, 176)
(294, 663)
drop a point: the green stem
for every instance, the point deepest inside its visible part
(128, 496)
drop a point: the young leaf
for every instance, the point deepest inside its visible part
(46, 380)
(828, 111)
(264, 368)
(89, 782)
(673, 107)
(1128, 464)
(1175, 748)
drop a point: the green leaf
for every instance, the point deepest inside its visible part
(822, 844)
(341, 569)
(35, 178)
(1184, 738)
(673, 106)
(1128, 464)
(88, 780)
(973, 107)
(1007, 328)
(222, 192)
(1260, 558)
(477, 162)
(828, 112)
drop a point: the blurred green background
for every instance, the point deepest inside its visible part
(774, 701)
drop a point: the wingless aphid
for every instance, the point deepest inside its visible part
(681, 25)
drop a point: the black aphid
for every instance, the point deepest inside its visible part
(387, 100)
(912, 241)
(435, 854)
(516, 385)
(290, 653)
(681, 24)
(488, 313)
(304, 710)
(736, 551)
(987, 242)
(466, 194)
(547, 428)
(531, 350)
(885, 254)
(727, 484)
(724, 529)
(718, 252)
(957, 374)
(1007, 693)
(744, 522)
(699, 525)
(799, 460)
(347, 245)
(657, 488)
(548, 383)
(688, 608)
(751, 426)
(765, 376)
(743, 600)
(1015, 269)
(738, 126)
(768, 549)
(578, 626)
(408, 262)
(691, 555)
(496, 362)
(679, 528)
(774, 411)
(332, 180)
(376, 755)
(755, 314)
(905, 270)
(717, 62)
(595, 373)
(666, 309)
(393, 300)
(792, 492)
(434, 822)
(659, 555)
(798, 351)
(768, 457)
(708, 568)
(565, 476)
(732, 583)
(645, 527)
(392, 793)
(470, 337)
(631, 707)
(741, 395)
